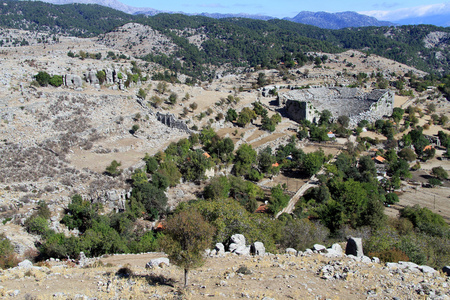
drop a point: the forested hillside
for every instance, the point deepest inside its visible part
(238, 42)
(76, 19)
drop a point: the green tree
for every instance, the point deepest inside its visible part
(218, 188)
(325, 117)
(391, 198)
(142, 94)
(152, 197)
(343, 121)
(278, 199)
(397, 114)
(195, 165)
(312, 162)
(56, 80)
(113, 169)
(424, 219)
(173, 98)
(407, 154)
(231, 115)
(439, 172)
(318, 133)
(151, 163)
(244, 159)
(193, 106)
(134, 128)
(161, 87)
(187, 236)
(246, 116)
(261, 80)
(43, 78)
(367, 169)
(265, 160)
(101, 75)
(80, 214)
(171, 171)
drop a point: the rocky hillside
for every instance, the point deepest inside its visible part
(225, 41)
(306, 275)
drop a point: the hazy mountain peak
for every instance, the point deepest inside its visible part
(108, 3)
(336, 20)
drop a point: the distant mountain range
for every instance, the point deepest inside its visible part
(320, 19)
(336, 20)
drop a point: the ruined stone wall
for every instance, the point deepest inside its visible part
(302, 110)
(307, 104)
(170, 121)
(383, 105)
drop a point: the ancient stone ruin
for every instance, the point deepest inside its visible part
(307, 104)
(172, 122)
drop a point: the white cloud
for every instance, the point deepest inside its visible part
(403, 13)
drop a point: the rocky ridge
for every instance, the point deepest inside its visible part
(312, 274)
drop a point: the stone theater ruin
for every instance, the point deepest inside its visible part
(307, 104)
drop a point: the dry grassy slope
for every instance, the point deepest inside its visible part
(272, 276)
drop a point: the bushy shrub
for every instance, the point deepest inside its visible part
(391, 255)
(301, 234)
(43, 78)
(391, 198)
(37, 225)
(8, 258)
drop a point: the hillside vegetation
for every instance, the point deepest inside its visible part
(225, 41)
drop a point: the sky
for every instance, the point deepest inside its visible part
(382, 10)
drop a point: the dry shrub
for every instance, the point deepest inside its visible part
(8, 260)
(390, 255)
(124, 272)
(44, 264)
(31, 254)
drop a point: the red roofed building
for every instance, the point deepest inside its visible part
(262, 208)
(379, 159)
(428, 147)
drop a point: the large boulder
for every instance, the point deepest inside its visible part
(258, 249)
(109, 76)
(242, 250)
(335, 250)
(71, 80)
(26, 264)
(157, 262)
(236, 241)
(91, 77)
(220, 249)
(354, 247)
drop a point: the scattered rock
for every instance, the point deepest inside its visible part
(258, 249)
(26, 264)
(291, 251)
(220, 248)
(157, 262)
(319, 248)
